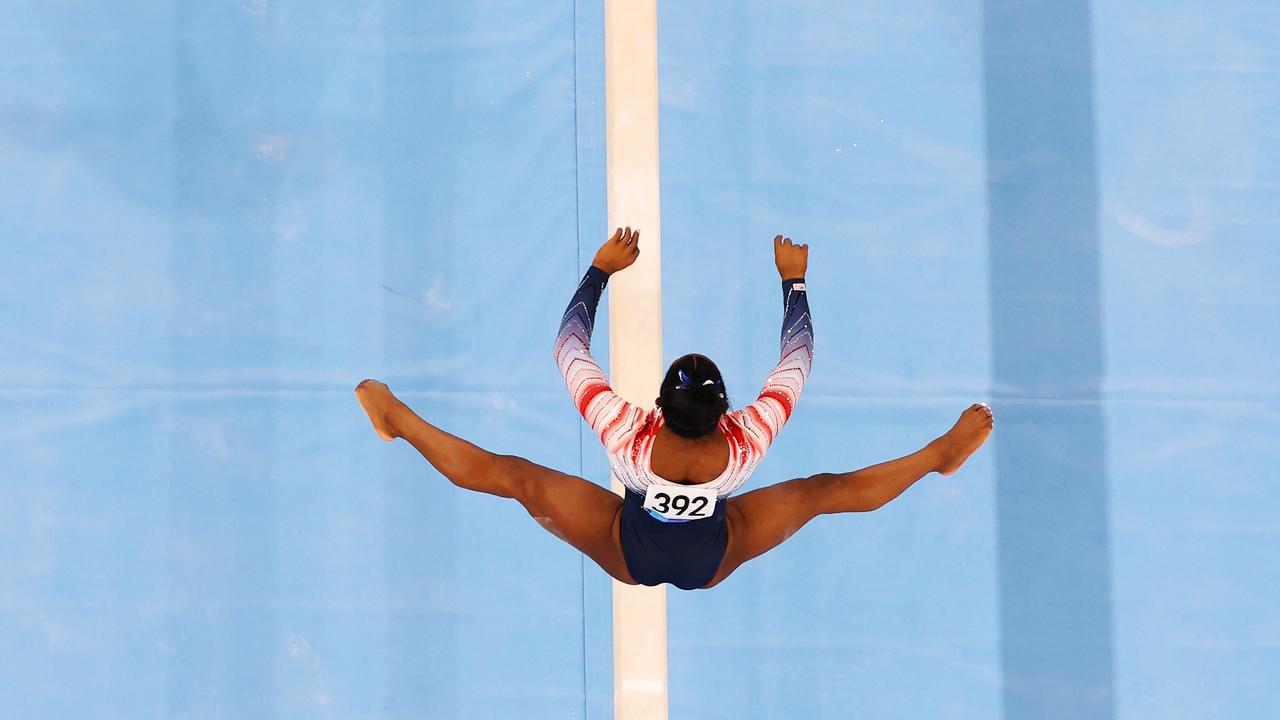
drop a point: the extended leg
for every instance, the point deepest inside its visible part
(760, 520)
(575, 510)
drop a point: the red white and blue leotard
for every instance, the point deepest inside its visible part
(628, 432)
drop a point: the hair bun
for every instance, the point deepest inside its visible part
(693, 396)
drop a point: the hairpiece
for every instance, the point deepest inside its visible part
(686, 383)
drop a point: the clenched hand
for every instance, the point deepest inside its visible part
(618, 252)
(792, 259)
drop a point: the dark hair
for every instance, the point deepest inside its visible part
(693, 396)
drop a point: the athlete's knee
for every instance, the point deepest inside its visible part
(822, 492)
(488, 473)
(849, 492)
(526, 481)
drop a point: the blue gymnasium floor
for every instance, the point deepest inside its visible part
(218, 217)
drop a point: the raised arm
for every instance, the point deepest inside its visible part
(614, 420)
(765, 417)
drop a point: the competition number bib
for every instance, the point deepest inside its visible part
(680, 502)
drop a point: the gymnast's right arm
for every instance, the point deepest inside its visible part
(765, 417)
(614, 420)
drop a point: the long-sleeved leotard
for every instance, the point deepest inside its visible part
(628, 431)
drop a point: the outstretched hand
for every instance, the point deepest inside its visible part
(792, 259)
(618, 252)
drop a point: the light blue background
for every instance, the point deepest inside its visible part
(217, 218)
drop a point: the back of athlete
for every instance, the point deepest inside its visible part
(689, 462)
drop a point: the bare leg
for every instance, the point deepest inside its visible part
(575, 510)
(762, 519)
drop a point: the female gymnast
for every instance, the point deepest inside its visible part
(681, 461)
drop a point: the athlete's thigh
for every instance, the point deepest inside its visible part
(573, 509)
(761, 519)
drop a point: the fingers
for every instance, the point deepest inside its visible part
(782, 244)
(782, 241)
(621, 249)
(625, 236)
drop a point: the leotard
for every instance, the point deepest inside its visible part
(684, 554)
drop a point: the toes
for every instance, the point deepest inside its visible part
(989, 418)
(982, 414)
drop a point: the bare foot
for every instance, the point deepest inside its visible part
(964, 438)
(376, 399)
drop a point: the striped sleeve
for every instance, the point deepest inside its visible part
(764, 418)
(614, 420)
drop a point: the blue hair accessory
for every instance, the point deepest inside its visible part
(687, 384)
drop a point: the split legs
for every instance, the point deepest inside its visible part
(573, 509)
(762, 519)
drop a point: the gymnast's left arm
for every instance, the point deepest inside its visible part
(613, 419)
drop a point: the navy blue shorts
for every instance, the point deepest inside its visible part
(685, 554)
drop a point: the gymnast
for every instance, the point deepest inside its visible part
(681, 461)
